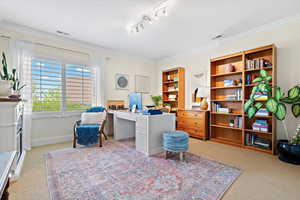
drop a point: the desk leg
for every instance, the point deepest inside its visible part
(5, 195)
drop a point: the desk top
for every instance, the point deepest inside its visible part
(6, 161)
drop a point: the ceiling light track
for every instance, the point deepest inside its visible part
(160, 10)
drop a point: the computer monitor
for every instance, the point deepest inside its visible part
(135, 99)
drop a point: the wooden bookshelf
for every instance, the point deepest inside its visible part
(220, 131)
(173, 83)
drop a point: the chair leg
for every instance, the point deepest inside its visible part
(74, 142)
(104, 136)
(100, 140)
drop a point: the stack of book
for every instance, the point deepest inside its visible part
(236, 96)
(260, 125)
(261, 96)
(172, 97)
(217, 108)
(228, 83)
(257, 63)
(172, 88)
(238, 122)
(253, 140)
(262, 112)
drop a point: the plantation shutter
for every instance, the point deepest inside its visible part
(47, 85)
(80, 82)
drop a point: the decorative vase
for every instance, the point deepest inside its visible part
(15, 95)
(5, 88)
(289, 153)
(229, 68)
(204, 104)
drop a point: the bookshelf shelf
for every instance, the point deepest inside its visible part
(224, 100)
(228, 127)
(269, 151)
(170, 91)
(259, 132)
(247, 65)
(227, 74)
(221, 88)
(256, 70)
(233, 114)
(170, 82)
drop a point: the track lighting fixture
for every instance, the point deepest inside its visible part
(158, 11)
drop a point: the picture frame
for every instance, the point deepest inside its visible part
(122, 81)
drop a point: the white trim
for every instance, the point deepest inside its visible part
(45, 115)
(52, 140)
(8, 125)
(17, 171)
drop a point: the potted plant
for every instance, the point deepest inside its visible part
(156, 100)
(4, 79)
(16, 85)
(289, 150)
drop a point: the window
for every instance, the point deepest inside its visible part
(59, 87)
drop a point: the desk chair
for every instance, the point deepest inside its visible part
(87, 131)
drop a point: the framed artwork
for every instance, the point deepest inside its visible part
(122, 81)
(142, 84)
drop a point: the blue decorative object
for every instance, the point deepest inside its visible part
(96, 109)
(87, 134)
(152, 112)
(176, 141)
(135, 99)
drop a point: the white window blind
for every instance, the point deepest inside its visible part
(79, 87)
(47, 85)
(60, 87)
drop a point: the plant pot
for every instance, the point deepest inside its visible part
(5, 88)
(288, 153)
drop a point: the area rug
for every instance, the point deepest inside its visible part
(117, 171)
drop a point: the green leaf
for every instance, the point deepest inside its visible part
(296, 110)
(256, 80)
(287, 100)
(252, 111)
(254, 90)
(281, 112)
(294, 92)
(258, 105)
(248, 104)
(268, 78)
(278, 94)
(272, 105)
(263, 73)
(263, 87)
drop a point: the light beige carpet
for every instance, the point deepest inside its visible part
(264, 176)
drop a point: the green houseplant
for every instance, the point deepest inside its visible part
(4, 79)
(156, 100)
(289, 150)
(9, 81)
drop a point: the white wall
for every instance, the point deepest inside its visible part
(286, 36)
(55, 129)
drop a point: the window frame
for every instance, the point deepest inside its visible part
(63, 107)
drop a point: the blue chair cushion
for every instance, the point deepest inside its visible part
(176, 141)
(96, 109)
(87, 134)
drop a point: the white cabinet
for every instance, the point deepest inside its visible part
(11, 132)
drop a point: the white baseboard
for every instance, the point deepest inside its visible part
(52, 140)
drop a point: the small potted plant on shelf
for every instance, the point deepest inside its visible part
(10, 84)
(16, 85)
(5, 83)
(289, 150)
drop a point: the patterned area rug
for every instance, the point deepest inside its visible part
(117, 171)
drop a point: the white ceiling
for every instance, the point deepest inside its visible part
(189, 24)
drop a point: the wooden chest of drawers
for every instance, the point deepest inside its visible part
(193, 122)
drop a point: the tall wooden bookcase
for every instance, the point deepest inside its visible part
(173, 85)
(220, 131)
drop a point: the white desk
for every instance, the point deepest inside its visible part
(147, 129)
